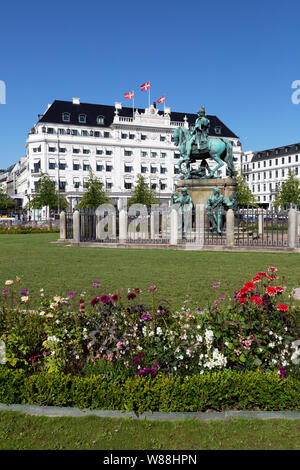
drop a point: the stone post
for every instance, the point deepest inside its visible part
(76, 227)
(122, 226)
(63, 227)
(200, 220)
(230, 227)
(292, 227)
(174, 227)
(260, 223)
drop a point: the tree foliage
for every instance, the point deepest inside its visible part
(142, 194)
(6, 202)
(47, 195)
(95, 194)
(289, 193)
(244, 194)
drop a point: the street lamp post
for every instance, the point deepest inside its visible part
(58, 189)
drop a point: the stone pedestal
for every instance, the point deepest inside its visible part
(201, 189)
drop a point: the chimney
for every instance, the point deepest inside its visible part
(76, 100)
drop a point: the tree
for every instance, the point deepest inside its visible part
(6, 202)
(142, 194)
(46, 195)
(244, 194)
(95, 194)
(289, 193)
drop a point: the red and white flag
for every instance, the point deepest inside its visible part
(162, 99)
(145, 86)
(129, 96)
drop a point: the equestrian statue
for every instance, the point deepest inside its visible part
(196, 145)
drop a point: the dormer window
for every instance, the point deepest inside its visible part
(66, 117)
(218, 130)
(82, 118)
(100, 120)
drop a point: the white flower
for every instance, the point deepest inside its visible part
(158, 330)
(271, 345)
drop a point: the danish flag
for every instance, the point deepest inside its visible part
(145, 86)
(162, 99)
(129, 96)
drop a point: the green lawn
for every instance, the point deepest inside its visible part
(177, 274)
(23, 432)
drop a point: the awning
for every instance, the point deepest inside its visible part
(76, 162)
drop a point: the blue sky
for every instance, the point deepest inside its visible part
(238, 59)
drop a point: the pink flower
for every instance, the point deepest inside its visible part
(271, 290)
(119, 344)
(238, 352)
(272, 268)
(279, 289)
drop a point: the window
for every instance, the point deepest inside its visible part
(153, 185)
(153, 169)
(100, 120)
(85, 166)
(108, 152)
(258, 165)
(176, 155)
(176, 171)
(99, 152)
(36, 185)
(143, 169)
(66, 117)
(153, 154)
(82, 118)
(163, 170)
(106, 134)
(127, 185)
(99, 167)
(162, 138)
(62, 150)
(218, 130)
(253, 166)
(290, 159)
(127, 153)
(108, 184)
(296, 158)
(282, 172)
(52, 149)
(265, 163)
(265, 175)
(61, 131)
(128, 169)
(76, 150)
(36, 167)
(84, 133)
(163, 155)
(96, 134)
(296, 170)
(270, 174)
(143, 137)
(76, 166)
(276, 161)
(62, 165)
(276, 173)
(50, 130)
(62, 185)
(108, 167)
(282, 160)
(51, 165)
(74, 132)
(85, 151)
(131, 136)
(124, 136)
(258, 188)
(258, 176)
(265, 188)
(270, 162)
(76, 184)
(270, 186)
(144, 154)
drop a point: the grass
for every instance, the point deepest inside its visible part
(24, 432)
(179, 275)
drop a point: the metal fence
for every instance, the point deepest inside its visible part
(252, 227)
(261, 227)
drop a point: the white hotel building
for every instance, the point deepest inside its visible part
(117, 144)
(266, 170)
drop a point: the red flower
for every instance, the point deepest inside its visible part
(272, 268)
(242, 299)
(271, 290)
(271, 277)
(262, 274)
(242, 292)
(249, 286)
(256, 299)
(282, 307)
(131, 296)
(256, 279)
(279, 289)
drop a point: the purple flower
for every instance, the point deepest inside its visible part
(152, 289)
(24, 292)
(96, 283)
(115, 298)
(5, 292)
(131, 296)
(216, 284)
(71, 294)
(105, 299)
(146, 316)
(282, 372)
(137, 290)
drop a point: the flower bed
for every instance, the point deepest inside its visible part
(23, 229)
(115, 342)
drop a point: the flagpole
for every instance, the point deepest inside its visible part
(149, 96)
(133, 107)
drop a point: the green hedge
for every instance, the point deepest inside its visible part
(216, 390)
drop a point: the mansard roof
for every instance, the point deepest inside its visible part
(276, 152)
(92, 111)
